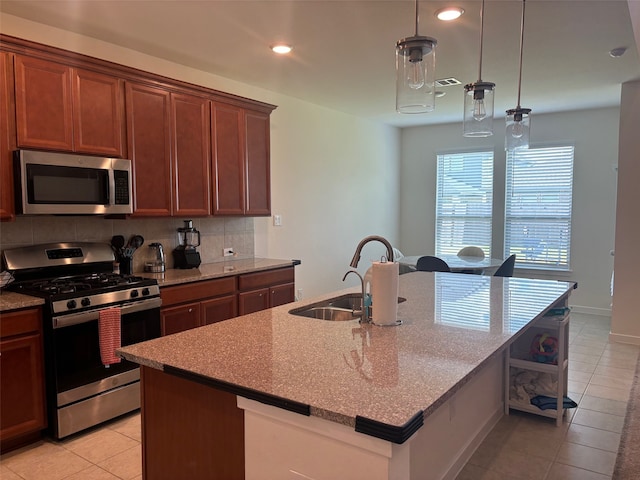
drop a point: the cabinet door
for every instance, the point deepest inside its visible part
(228, 160)
(178, 319)
(281, 294)
(253, 301)
(149, 128)
(218, 309)
(258, 194)
(191, 127)
(7, 140)
(43, 104)
(98, 113)
(21, 375)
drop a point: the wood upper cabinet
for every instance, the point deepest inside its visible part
(149, 129)
(258, 194)
(98, 113)
(67, 109)
(228, 179)
(23, 412)
(7, 140)
(190, 133)
(241, 164)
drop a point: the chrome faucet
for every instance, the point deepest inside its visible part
(363, 308)
(356, 257)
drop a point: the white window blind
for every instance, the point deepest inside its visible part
(464, 201)
(539, 185)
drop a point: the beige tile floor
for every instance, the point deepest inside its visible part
(524, 446)
(520, 447)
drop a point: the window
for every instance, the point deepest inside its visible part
(464, 201)
(538, 203)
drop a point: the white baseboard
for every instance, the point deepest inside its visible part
(603, 312)
(620, 338)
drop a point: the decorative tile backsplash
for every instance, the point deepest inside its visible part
(216, 234)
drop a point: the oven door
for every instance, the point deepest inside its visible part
(75, 347)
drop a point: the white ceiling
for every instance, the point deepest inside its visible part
(344, 50)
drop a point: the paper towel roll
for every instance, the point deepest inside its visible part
(384, 292)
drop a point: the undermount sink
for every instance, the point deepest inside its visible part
(336, 309)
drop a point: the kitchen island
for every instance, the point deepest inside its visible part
(275, 395)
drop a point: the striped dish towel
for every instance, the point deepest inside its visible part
(109, 331)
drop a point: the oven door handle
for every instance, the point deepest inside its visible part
(91, 315)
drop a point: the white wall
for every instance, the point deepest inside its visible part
(595, 136)
(334, 177)
(625, 319)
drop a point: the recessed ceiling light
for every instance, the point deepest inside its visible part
(449, 13)
(281, 48)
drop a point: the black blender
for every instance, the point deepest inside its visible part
(185, 255)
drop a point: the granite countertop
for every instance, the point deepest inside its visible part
(451, 325)
(15, 301)
(217, 270)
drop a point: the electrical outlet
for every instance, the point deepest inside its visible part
(298, 295)
(228, 252)
(277, 220)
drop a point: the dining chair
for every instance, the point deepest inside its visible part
(506, 269)
(429, 263)
(471, 251)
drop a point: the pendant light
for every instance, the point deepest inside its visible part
(518, 119)
(478, 100)
(415, 73)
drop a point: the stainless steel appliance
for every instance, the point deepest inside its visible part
(155, 262)
(185, 254)
(77, 282)
(70, 184)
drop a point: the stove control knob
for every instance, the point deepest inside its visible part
(145, 291)
(71, 304)
(134, 293)
(86, 302)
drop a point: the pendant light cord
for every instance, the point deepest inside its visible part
(481, 40)
(521, 48)
(416, 18)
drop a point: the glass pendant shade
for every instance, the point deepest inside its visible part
(518, 127)
(415, 74)
(478, 109)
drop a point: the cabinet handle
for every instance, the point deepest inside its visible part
(190, 310)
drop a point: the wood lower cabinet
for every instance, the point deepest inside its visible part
(180, 318)
(196, 304)
(22, 387)
(7, 138)
(149, 128)
(68, 109)
(190, 430)
(262, 290)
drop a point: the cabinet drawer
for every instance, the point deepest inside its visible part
(251, 281)
(197, 290)
(20, 322)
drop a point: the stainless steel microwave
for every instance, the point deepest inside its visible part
(71, 184)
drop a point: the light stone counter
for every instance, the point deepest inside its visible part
(217, 270)
(453, 324)
(14, 301)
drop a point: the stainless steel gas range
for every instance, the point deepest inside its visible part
(77, 282)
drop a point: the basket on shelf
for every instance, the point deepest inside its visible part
(544, 349)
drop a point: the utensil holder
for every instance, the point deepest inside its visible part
(126, 266)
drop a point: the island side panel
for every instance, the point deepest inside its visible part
(189, 430)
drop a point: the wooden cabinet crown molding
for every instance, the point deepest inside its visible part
(73, 59)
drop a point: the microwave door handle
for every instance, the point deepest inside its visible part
(111, 187)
